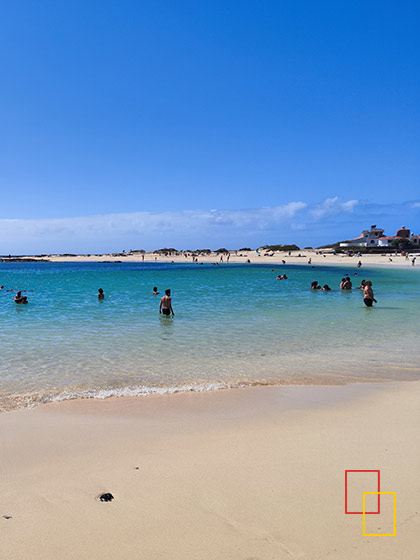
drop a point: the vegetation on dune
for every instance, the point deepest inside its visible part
(280, 248)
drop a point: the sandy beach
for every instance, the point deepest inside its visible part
(300, 257)
(254, 473)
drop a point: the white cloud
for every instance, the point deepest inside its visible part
(150, 222)
(298, 222)
(333, 205)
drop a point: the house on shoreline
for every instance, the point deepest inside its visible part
(374, 237)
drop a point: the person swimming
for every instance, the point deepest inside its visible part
(345, 283)
(326, 288)
(19, 298)
(101, 294)
(282, 277)
(165, 306)
(368, 297)
(314, 285)
(155, 291)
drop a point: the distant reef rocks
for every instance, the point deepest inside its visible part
(23, 259)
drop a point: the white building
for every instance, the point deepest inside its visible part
(368, 238)
(374, 237)
(415, 240)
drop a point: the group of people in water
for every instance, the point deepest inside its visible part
(346, 284)
(316, 286)
(19, 298)
(165, 307)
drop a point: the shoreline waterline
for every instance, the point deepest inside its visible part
(26, 402)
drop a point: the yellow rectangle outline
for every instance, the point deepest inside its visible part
(395, 516)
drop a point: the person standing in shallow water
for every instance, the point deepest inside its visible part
(101, 294)
(165, 306)
(368, 297)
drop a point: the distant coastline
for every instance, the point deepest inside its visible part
(317, 257)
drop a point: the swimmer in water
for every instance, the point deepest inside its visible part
(155, 291)
(101, 294)
(314, 285)
(346, 283)
(368, 297)
(326, 288)
(165, 306)
(19, 298)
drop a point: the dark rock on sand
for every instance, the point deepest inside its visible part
(107, 497)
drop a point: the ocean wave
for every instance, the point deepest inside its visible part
(12, 402)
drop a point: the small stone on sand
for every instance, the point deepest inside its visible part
(107, 497)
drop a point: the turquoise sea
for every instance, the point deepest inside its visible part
(234, 325)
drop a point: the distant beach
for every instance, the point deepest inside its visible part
(318, 257)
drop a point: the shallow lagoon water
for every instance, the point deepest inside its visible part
(234, 325)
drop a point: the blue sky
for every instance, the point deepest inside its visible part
(143, 124)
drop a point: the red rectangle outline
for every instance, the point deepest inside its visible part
(345, 492)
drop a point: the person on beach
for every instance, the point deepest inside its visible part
(101, 294)
(359, 264)
(413, 262)
(155, 291)
(19, 298)
(165, 306)
(368, 297)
